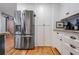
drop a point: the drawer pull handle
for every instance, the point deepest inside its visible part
(72, 46)
(60, 39)
(71, 53)
(57, 33)
(73, 37)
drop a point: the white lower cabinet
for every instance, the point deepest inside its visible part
(64, 49)
(68, 45)
(71, 50)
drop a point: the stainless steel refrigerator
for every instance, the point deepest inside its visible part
(24, 30)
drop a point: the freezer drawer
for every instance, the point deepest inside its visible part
(24, 42)
(17, 41)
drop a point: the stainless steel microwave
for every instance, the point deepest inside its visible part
(59, 24)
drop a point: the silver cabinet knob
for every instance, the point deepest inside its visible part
(72, 46)
(71, 53)
(60, 39)
(72, 37)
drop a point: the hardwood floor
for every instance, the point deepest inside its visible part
(9, 43)
(39, 50)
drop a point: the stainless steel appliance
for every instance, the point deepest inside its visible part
(24, 30)
(59, 24)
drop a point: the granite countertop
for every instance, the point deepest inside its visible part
(72, 31)
(4, 33)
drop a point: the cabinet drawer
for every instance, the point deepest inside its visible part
(70, 41)
(72, 36)
(60, 50)
(65, 49)
(73, 52)
(70, 49)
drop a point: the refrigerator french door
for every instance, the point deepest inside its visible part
(24, 30)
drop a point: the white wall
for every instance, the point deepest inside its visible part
(44, 16)
(25, 6)
(56, 14)
(48, 14)
(42, 11)
(55, 17)
(0, 22)
(8, 8)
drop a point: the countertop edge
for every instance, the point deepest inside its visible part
(4, 33)
(63, 30)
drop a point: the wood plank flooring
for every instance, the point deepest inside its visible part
(9, 43)
(40, 50)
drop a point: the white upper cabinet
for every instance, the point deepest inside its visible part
(68, 9)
